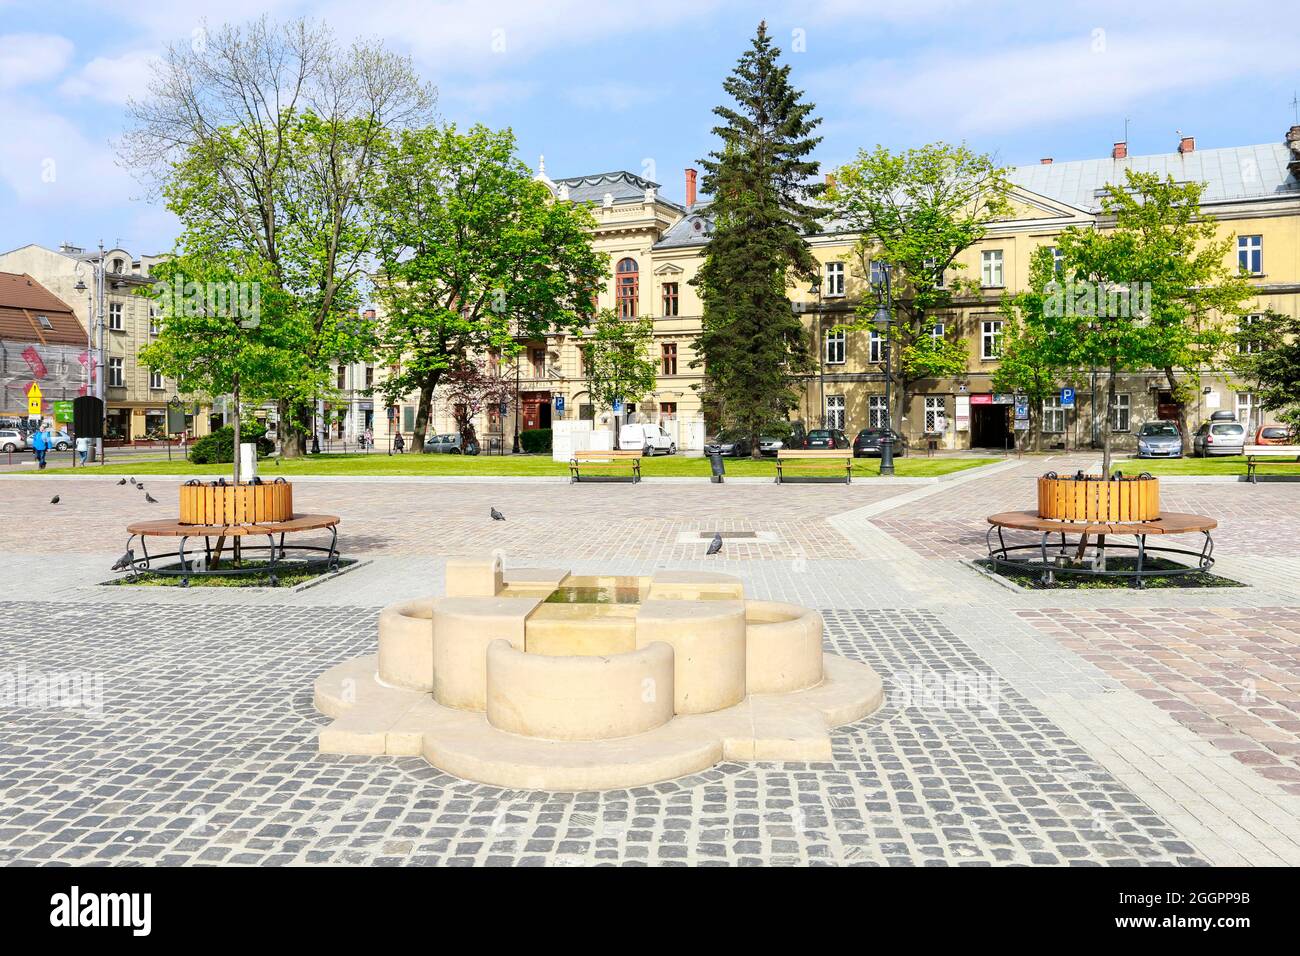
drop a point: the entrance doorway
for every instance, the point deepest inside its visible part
(536, 409)
(990, 427)
(1166, 407)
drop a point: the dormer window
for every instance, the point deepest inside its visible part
(45, 321)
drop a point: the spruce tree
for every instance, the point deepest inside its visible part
(752, 344)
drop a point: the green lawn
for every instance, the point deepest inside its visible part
(517, 465)
(1234, 465)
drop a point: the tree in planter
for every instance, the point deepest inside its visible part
(469, 389)
(1148, 292)
(752, 345)
(617, 361)
(476, 258)
(265, 139)
(918, 210)
(1265, 357)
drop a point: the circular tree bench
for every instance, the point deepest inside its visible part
(1166, 523)
(192, 563)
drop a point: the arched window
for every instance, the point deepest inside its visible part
(625, 288)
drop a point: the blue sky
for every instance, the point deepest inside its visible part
(607, 85)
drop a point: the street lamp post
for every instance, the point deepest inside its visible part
(884, 320)
(816, 289)
(95, 353)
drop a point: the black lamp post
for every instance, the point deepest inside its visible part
(884, 319)
(816, 289)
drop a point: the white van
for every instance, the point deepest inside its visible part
(652, 439)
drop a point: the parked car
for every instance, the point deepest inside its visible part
(59, 441)
(791, 438)
(867, 444)
(729, 444)
(449, 444)
(11, 439)
(826, 438)
(1272, 435)
(1218, 438)
(1159, 440)
(651, 439)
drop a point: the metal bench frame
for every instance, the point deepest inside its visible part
(784, 455)
(608, 457)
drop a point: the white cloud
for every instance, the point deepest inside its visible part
(112, 79)
(27, 58)
(611, 97)
(53, 163)
(474, 98)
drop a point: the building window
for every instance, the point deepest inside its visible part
(835, 411)
(1246, 410)
(1246, 346)
(408, 418)
(835, 341)
(875, 352)
(876, 411)
(155, 322)
(991, 340)
(936, 419)
(876, 273)
(1250, 254)
(45, 322)
(116, 377)
(1053, 416)
(991, 269)
(936, 332)
(370, 375)
(834, 284)
(668, 358)
(936, 274)
(115, 316)
(667, 410)
(342, 377)
(538, 359)
(626, 288)
(155, 380)
(116, 267)
(670, 298)
(1122, 408)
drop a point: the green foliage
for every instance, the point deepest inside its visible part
(219, 447)
(475, 257)
(753, 347)
(616, 359)
(1265, 355)
(536, 441)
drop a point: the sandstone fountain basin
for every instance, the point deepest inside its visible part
(540, 679)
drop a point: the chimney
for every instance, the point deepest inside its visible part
(369, 314)
(1187, 144)
(690, 187)
(1119, 151)
(1293, 144)
(1046, 161)
(830, 180)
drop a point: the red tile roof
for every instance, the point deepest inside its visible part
(23, 300)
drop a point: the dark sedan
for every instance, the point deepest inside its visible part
(826, 438)
(728, 444)
(867, 444)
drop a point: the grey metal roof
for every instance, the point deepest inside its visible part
(1230, 174)
(693, 229)
(622, 185)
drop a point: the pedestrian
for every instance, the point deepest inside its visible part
(83, 448)
(369, 438)
(399, 443)
(40, 445)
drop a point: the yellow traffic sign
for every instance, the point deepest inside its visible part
(34, 400)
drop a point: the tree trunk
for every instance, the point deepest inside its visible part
(1108, 420)
(422, 417)
(1183, 434)
(234, 398)
(292, 437)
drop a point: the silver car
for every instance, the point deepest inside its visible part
(1219, 438)
(59, 441)
(1159, 440)
(11, 439)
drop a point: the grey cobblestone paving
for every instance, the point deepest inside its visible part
(204, 752)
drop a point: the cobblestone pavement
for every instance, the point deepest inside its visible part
(1064, 728)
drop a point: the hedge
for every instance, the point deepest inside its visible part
(220, 445)
(536, 441)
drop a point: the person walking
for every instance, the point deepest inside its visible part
(83, 448)
(399, 443)
(369, 438)
(40, 445)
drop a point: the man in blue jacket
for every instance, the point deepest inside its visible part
(41, 444)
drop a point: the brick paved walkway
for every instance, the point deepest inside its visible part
(1074, 728)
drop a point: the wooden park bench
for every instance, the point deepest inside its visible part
(1269, 455)
(832, 456)
(594, 456)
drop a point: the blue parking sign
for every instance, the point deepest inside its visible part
(559, 403)
(1067, 398)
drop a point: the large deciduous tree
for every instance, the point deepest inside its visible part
(616, 361)
(752, 344)
(265, 140)
(475, 257)
(1265, 358)
(917, 211)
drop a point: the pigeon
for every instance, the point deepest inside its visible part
(150, 498)
(139, 486)
(133, 481)
(125, 561)
(122, 481)
(496, 515)
(716, 544)
(54, 500)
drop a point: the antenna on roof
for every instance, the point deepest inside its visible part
(1126, 122)
(1295, 105)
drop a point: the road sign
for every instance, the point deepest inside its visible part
(1022, 411)
(618, 405)
(62, 412)
(1067, 398)
(1022, 424)
(559, 404)
(34, 399)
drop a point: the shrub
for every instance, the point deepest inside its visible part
(536, 441)
(220, 445)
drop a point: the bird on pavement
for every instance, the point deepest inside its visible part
(496, 515)
(716, 544)
(54, 500)
(139, 486)
(122, 481)
(133, 481)
(125, 561)
(150, 498)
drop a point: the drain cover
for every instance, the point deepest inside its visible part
(729, 534)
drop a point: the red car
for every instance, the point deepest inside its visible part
(1272, 435)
